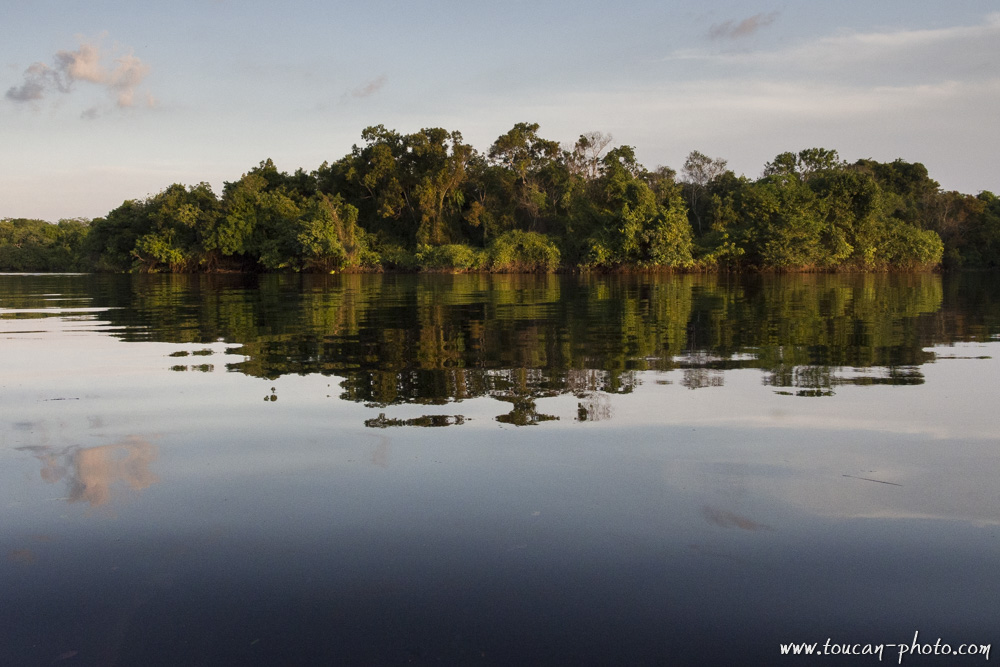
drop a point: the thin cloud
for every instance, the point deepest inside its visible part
(126, 77)
(38, 78)
(891, 57)
(744, 28)
(369, 88)
(83, 65)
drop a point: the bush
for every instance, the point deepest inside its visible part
(523, 252)
(667, 240)
(450, 257)
(597, 254)
(393, 256)
(911, 248)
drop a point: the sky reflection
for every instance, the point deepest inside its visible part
(679, 507)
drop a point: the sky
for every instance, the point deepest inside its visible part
(102, 102)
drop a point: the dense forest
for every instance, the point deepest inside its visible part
(429, 201)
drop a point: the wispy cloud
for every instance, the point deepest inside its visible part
(744, 28)
(38, 79)
(370, 88)
(887, 58)
(120, 79)
(128, 73)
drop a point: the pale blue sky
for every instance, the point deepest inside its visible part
(103, 102)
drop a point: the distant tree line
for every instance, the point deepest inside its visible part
(429, 201)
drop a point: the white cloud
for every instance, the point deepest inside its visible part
(84, 64)
(126, 77)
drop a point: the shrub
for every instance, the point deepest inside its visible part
(911, 248)
(597, 254)
(393, 256)
(450, 257)
(517, 251)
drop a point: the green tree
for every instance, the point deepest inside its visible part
(36, 245)
(782, 225)
(436, 162)
(407, 187)
(328, 235)
(527, 159)
(699, 171)
(632, 226)
(178, 222)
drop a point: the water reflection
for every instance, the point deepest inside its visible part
(426, 420)
(596, 407)
(649, 523)
(726, 519)
(90, 473)
(436, 339)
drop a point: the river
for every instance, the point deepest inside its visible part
(497, 470)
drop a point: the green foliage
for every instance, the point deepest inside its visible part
(169, 231)
(531, 177)
(667, 240)
(450, 257)
(161, 248)
(784, 224)
(327, 234)
(700, 171)
(517, 251)
(633, 228)
(429, 200)
(910, 248)
(812, 212)
(407, 186)
(36, 245)
(805, 165)
(719, 251)
(395, 256)
(983, 250)
(112, 238)
(598, 253)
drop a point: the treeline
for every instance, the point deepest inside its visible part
(36, 245)
(429, 201)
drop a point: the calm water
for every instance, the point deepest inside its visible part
(496, 470)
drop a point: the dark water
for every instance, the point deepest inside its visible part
(497, 469)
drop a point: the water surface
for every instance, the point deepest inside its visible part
(495, 469)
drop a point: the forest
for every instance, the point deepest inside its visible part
(428, 201)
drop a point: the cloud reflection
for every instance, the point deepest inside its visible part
(91, 472)
(726, 519)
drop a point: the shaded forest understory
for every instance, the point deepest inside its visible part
(428, 201)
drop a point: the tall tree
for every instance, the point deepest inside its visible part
(700, 170)
(585, 158)
(526, 157)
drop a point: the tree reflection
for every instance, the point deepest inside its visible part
(436, 339)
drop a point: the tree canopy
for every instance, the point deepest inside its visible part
(430, 201)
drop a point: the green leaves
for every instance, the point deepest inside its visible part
(36, 245)
(428, 199)
(518, 251)
(328, 236)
